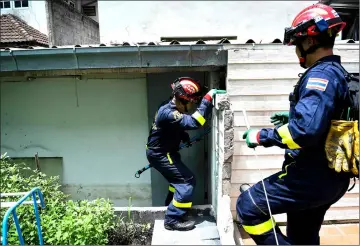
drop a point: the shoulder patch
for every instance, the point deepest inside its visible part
(177, 115)
(317, 84)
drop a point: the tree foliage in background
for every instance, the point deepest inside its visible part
(63, 222)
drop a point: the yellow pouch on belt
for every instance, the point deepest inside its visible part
(342, 146)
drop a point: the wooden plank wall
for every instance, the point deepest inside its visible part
(259, 80)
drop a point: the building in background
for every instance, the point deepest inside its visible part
(65, 22)
(16, 33)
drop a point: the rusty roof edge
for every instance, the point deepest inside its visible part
(113, 57)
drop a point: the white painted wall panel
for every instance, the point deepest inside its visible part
(98, 126)
(259, 80)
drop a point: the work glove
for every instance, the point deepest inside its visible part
(186, 139)
(210, 95)
(342, 146)
(280, 118)
(252, 138)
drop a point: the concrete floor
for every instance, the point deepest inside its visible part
(205, 233)
(334, 234)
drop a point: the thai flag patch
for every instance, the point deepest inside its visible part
(317, 84)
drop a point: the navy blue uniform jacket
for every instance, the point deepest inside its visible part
(168, 128)
(322, 94)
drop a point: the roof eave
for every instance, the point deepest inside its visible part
(113, 57)
(29, 43)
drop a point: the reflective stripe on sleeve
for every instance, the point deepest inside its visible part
(199, 118)
(286, 137)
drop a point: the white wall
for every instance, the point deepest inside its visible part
(149, 20)
(34, 15)
(99, 127)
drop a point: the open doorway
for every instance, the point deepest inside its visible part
(158, 90)
(199, 157)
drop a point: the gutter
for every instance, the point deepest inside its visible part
(74, 58)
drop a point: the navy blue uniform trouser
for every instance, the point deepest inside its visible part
(304, 194)
(181, 180)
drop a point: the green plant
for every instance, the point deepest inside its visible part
(63, 222)
(84, 223)
(126, 231)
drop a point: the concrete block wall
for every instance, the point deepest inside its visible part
(224, 141)
(224, 151)
(67, 26)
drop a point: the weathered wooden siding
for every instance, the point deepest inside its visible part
(259, 80)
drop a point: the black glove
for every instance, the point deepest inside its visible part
(186, 139)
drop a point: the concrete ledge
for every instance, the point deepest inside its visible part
(225, 222)
(150, 214)
(237, 235)
(222, 102)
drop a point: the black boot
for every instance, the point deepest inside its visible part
(183, 225)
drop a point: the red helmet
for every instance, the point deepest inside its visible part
(187, 89)
(312, 21)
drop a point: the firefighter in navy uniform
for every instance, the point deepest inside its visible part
(168, 130)
(306, 187)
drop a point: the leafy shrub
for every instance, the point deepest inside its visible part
(63, 222)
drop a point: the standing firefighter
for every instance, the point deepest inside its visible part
(306, 187)
(168, 130)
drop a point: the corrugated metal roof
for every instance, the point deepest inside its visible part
(108, 57)
(153, 55)
(223, 41)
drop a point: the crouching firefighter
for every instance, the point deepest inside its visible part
(168, 130)
(306, 187)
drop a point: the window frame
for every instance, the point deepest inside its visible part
(3, 2)
(95, 10)
(21, 1)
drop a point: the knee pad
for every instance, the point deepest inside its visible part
(185, 192)
(242, 204)
(246, 207)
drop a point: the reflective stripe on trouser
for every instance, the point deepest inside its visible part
(170, 195)
(304, 194)
(171, 189)
(180, 178)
